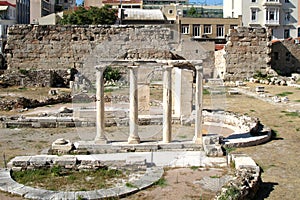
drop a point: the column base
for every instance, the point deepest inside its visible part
(134, 140)
(197, 140)
(101, 140)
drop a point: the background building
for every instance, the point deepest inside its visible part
(7, 18)
(281, 16)
(61, 5)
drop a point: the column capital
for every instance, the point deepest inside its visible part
(167, 67)
(198, 67)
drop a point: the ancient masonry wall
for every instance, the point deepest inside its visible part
(246, 52)
(32, 47)
(285, 57)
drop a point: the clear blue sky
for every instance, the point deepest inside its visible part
(79, 1)
(209, 2)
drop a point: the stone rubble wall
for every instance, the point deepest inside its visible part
(234, 121)
(34, 47)
(247, 179)
(37, 78)
(24, 103)
(247, 50)
(82, 47)
(285, 57)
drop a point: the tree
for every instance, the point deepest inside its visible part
(192, 12)
(94, 15)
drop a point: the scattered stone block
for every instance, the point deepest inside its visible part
(62, 145)
(66, 160)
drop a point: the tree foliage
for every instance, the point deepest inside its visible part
(192, 12)
(93, 15)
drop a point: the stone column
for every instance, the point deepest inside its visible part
(100, 137)
(167, 104)
(133, 112)
(198, 104)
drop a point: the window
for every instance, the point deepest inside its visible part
(170, 11)
(272, 15)
(185, 29)
(220, 31)
(287, 17)
(207, 29)
(286, 33)
(298, 32)
(196, 31)
(253, 1)
(253, 15)
(287, 1)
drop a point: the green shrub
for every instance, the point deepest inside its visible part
(111, 74)
(161, 182)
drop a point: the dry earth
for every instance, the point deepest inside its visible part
(279, 159)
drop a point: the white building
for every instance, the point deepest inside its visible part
(281, 16)
(7, 18)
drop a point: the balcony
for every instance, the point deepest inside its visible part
(272, 3)
(272, 23)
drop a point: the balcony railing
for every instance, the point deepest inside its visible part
(272, 3)
(272, 23)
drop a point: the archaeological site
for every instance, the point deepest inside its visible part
(174, 118)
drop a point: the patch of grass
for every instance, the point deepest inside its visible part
(162, 182)
(298, 100)
(194, 167)
(215, 176)
(107, 90)
(229, 149)
(23, 88)
(297, 129)
(291, 114)
(58, 178)
(231, 193)
(284, 94)
(130, 185)
(182, 136)
(206, 92)
(252, 110)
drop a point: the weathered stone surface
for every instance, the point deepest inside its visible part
(246, 52)
(65, 160)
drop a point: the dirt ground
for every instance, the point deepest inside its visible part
(278, 159)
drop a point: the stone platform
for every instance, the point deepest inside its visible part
(117, 147)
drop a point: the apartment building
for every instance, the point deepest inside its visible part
(115, 3)
(281, 16)
(40, 8)
(61, 5)
(207, 29)
(22, 10)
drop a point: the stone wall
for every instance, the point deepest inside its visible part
(247, 51)
(285, 57)
(39, 78)
(33, 47)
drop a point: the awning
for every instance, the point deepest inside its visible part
(3, 8)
